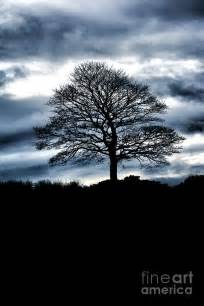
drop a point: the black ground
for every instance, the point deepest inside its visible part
(91, 243)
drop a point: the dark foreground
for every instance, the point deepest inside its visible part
(129, 191)
(91, 244)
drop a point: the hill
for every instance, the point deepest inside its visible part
(131, 188)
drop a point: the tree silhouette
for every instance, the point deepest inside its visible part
(102, 113)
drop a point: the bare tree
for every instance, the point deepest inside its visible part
(102, 113)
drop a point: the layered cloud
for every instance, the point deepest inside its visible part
(106, 28)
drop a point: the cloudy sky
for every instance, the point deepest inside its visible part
(158, 42)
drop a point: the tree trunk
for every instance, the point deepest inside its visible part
(112, 154)
(113, 168)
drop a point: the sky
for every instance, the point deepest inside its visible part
(160, 43)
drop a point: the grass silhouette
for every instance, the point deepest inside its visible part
(130, 189)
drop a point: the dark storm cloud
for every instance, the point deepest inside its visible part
(54, 33)
(12, 74)
(188, 89)
(174, 9)
(187, 92)
(179, 167)
(58, 34)
(18, 114)
(186, 118)
(23, 173)
(195, 125)
(14, 108)
(17, 119)
(164, 28)
(9, 141)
